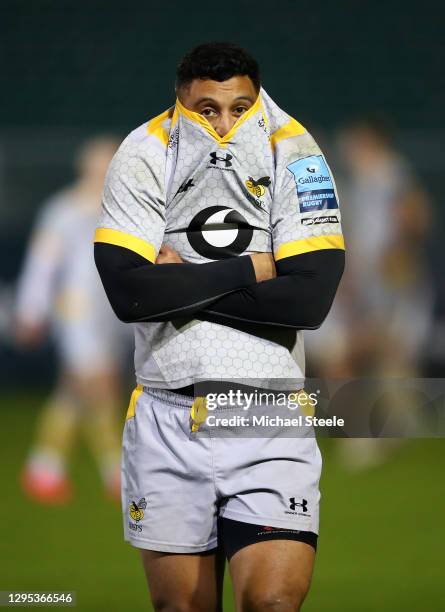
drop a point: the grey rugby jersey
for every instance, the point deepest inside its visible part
(265, 186)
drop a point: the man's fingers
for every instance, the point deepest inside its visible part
(168, 255)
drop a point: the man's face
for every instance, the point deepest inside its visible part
(359, 148)
(222, 104)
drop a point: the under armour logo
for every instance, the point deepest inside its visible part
(293, 504)
(186, 185)
(214, 158)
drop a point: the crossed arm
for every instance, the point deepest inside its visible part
(295, 292)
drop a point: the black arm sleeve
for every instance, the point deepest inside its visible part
(300, 297)
(141, 291)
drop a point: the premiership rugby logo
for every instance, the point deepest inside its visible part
(219, 232)
(314, 184)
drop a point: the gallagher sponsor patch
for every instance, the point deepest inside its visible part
(315, 188)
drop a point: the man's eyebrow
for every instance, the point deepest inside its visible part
(248, 98)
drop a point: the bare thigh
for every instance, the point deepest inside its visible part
(185, 582)
(273, 575)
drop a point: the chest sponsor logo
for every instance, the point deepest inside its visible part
(219, 232)
(314, 184)
(220, 161)
(319, 220)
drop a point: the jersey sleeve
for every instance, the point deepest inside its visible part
(133, 204)
(305, 214)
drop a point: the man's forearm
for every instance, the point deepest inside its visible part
(140, 291)
(300, 297)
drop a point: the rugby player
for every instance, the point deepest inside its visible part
(220, 241)
(59, 294)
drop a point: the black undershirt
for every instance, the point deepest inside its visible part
(223, 291)
(141, 291)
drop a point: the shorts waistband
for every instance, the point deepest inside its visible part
(170, 397)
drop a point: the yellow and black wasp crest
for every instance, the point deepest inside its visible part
(258, 188)
(137, 509)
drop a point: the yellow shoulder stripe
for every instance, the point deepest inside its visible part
(156, 128)
(306, 245)
(112, 236)
(289, 129)
(133, 400)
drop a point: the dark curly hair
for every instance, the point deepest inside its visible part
(218, 61)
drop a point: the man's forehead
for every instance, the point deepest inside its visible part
(235, 87)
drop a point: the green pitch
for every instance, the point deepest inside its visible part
(381, 549)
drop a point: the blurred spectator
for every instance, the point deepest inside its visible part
(380, 320)
(60, 293)
(379, 324)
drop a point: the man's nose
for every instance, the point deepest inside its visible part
(225, 123)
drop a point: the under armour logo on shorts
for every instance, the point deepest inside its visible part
(293, 504)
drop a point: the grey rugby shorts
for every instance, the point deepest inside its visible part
(175, 484)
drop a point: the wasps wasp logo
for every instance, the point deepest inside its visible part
(137, 509)
(258, 188)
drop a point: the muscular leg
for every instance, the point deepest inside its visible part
(100, 395)
(44, 476)
(185, 582)
(57, 425)
(273, 575)
(58, 421)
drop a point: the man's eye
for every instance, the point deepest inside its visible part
(239, 110)
(208, 112)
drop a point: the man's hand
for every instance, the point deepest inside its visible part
(168, 255)
(29, 335)
(264, 266)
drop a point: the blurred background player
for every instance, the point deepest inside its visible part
(59, 292)
(382, 315)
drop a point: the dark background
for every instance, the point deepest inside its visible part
(111, 64)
